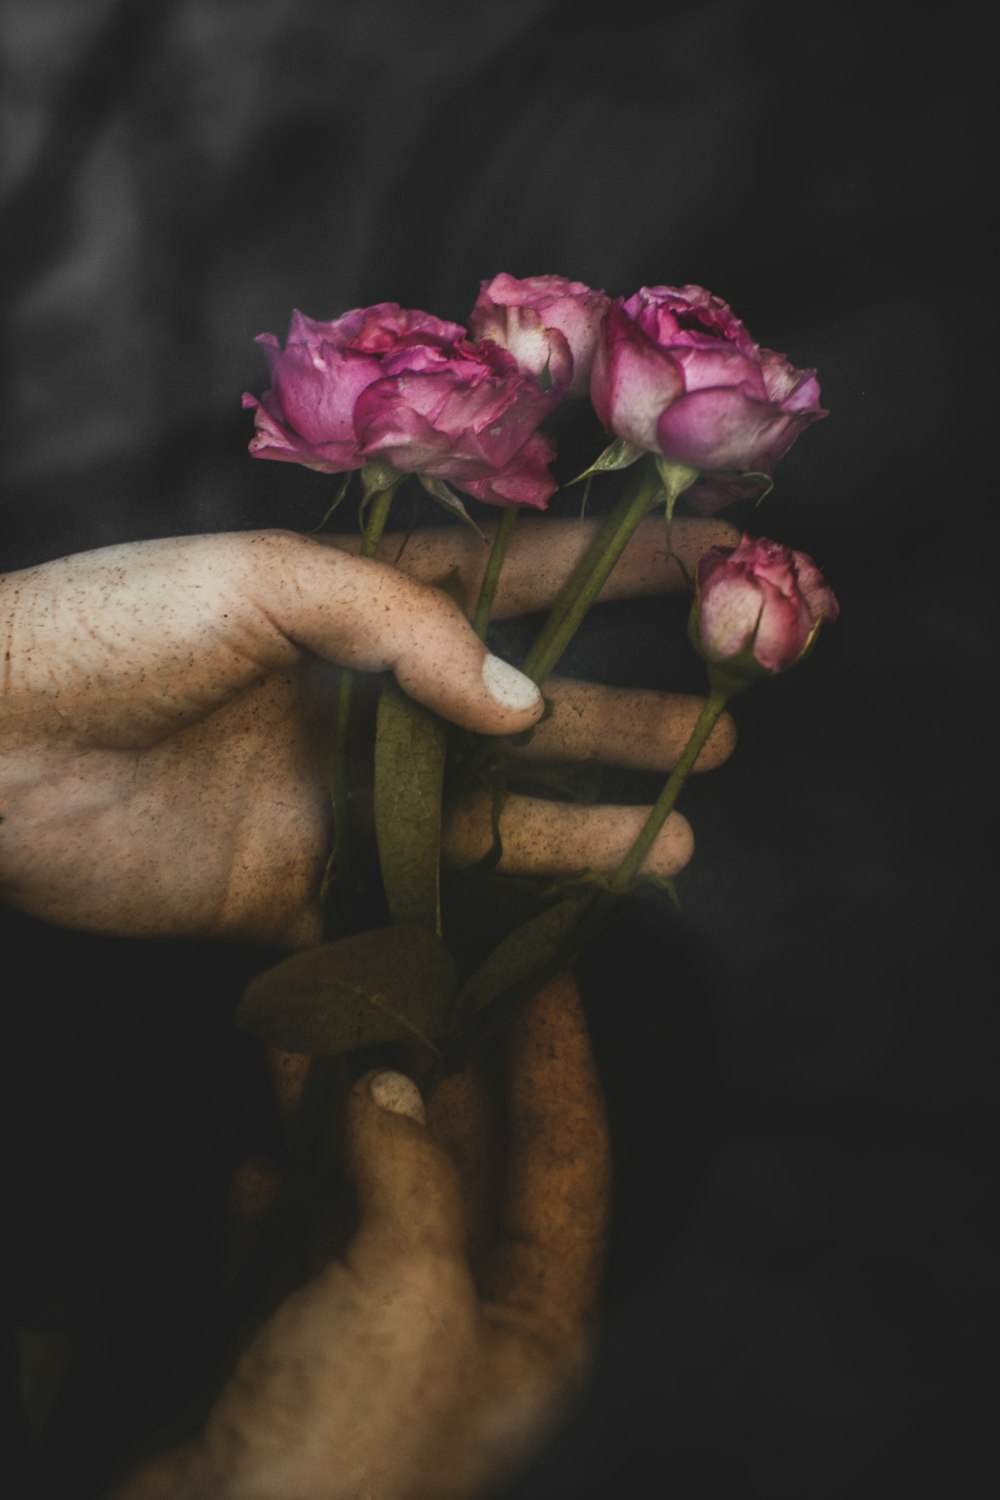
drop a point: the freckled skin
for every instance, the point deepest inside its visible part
(436, 1355)
(167, 707)
(163, 770)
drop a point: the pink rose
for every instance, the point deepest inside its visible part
(546, 323)
(675, 372)
(759, 606)
(385, 382)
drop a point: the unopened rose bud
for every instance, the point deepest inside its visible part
(758, 608)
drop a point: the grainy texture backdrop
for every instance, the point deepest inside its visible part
(802, 1068)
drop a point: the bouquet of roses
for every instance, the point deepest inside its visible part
(685, 402)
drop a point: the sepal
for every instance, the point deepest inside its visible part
(449, 501)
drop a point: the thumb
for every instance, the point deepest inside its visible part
(408, 1191)
(365, 614)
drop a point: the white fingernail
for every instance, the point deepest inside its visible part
(507, 685)
(399, 1094)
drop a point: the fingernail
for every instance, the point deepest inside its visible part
(398, 1094)
(507, 685)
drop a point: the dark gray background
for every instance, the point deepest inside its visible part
(801, 1067)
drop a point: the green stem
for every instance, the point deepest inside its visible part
(597, 906)
(340, 865)
(665, 803)
(589, 577)
(487, 593)
(375, 525)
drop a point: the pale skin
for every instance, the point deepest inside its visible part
(163, 771)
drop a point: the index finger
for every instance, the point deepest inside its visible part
(550, 1260)
(544, 550)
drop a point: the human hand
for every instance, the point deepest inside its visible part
(407, 1370)
(166, 717)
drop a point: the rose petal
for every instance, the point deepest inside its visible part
(316, 388)
(272, 439)
(725, 428)
(632, 381)
(820, 598)
(708, 365)
(397, 432)
(729, 615)
(524, 481)
(784, 628)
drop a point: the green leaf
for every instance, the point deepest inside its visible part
(338, 497)
(409, 776)
(446, 497)
(521, 955)
(394, 984)
(619, 454)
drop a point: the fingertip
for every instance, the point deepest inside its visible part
(672, 850)
(397, 1094)
(454, 676)
(378, 1100)
(693, 536)
(510, 688)
(409, 1199)
(722, 534)
(550, 839)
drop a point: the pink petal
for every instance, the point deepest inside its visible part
(316, 387)
(524, 481)
(725, 428)
(632, 381)
(784, 629)
(729, 614)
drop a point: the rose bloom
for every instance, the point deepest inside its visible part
(759, 605)
(546, 323)
(403, 386)
(676, 373)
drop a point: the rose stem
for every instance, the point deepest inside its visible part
(596, 907)
(487, 592)
(341, 856)
(667, 799)
(589, 577)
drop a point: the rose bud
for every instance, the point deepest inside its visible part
(676, 373)
(758, 608)
(388, 383)
(547, 323)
